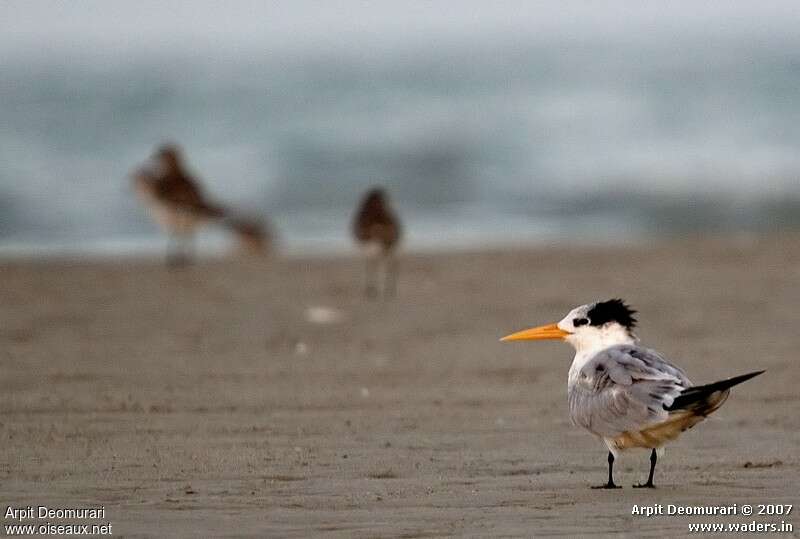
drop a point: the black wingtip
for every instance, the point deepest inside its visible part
(730, 382)
(696, 394)
(744, 377)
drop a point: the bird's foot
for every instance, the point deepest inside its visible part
(649, 484)
(610, 484)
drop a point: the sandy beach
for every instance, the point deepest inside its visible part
(269, 398)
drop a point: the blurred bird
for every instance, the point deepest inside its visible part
(377, 230)
(628, 395)
(180, 207)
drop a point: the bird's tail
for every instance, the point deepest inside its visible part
(689, 408)
(252, 233)
(703, 400)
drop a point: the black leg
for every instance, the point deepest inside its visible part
(649, 484)
(610, 483)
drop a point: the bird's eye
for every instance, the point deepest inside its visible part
(580, 322)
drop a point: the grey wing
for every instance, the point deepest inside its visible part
(624, 388)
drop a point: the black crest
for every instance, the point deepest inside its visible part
(613, 310)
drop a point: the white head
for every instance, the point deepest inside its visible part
(588, 327)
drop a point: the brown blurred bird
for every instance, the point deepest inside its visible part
(377, 230)
(180, 207)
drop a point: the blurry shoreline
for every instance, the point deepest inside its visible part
(609, 219)
(214, 249)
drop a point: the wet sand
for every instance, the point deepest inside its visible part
(269, 398)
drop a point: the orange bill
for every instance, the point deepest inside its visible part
(550, 331)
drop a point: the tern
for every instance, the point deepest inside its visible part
(377, 230)
(626, 394)
(180, 207)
